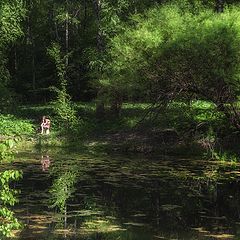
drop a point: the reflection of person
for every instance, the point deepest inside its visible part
(45, 163)
(45, 125)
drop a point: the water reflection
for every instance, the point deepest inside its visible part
(81, 197)
(45, 161)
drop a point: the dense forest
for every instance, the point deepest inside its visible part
(120, 51)
(155, 77)
(90, 34)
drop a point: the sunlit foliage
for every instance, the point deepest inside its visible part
(11, 16)
(174, 52)
(10, 125)
(62, 106)
(8, 222)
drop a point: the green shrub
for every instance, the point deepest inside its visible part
(8, 198)
(10, 125)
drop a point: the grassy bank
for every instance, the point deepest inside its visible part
(180, 128)
(11, 125)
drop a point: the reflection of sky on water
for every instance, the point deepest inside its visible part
(129, 198)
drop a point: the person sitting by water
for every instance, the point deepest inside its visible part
(45, 125)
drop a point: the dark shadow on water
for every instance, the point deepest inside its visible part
(76, 196)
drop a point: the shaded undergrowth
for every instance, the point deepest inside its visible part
(179, 128)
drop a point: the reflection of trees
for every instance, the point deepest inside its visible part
(169, 196)
(61, 191)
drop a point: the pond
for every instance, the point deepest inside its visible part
(68, 195)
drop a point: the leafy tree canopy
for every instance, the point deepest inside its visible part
(171, 49)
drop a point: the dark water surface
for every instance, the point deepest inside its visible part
(126, 197)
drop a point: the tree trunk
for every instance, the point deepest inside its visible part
(33, 68)
(116, 106)
(219, 6)
(32, 54)
(85, 16)
(15, 60)
(100, 108)
(56, 30)
(67, 34)
(97, 6)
